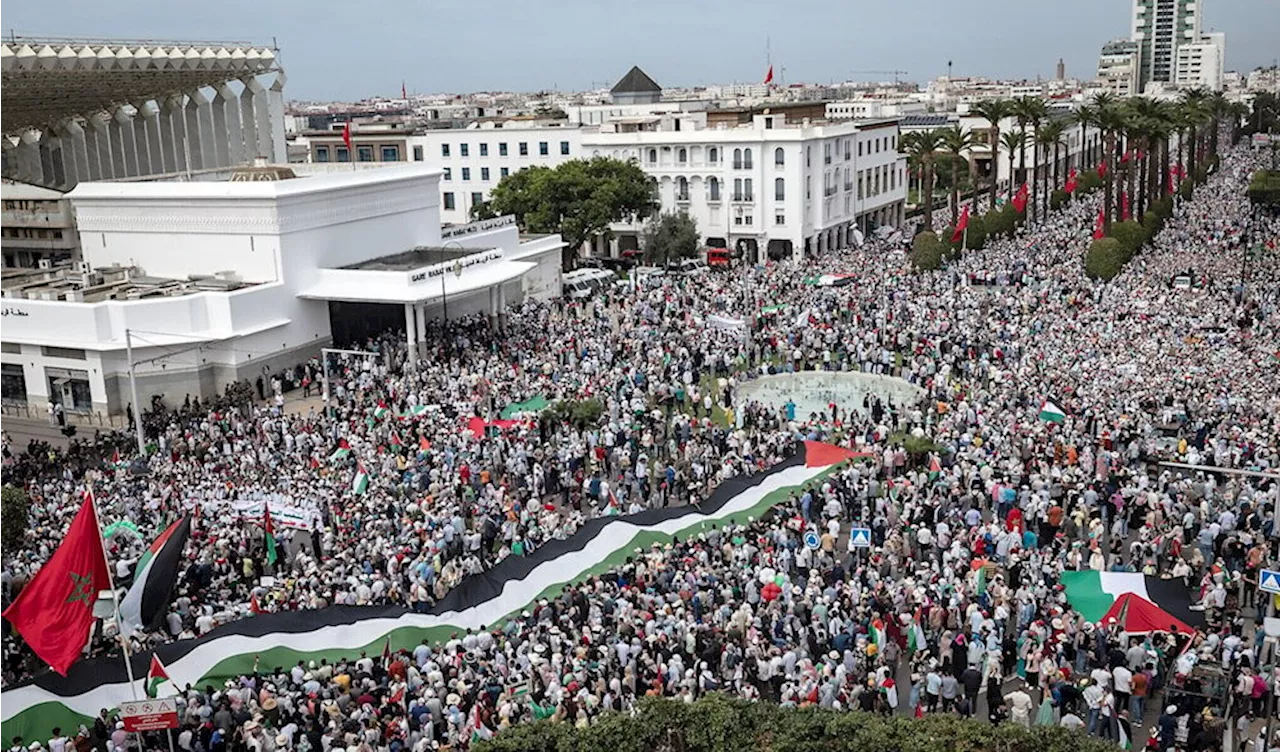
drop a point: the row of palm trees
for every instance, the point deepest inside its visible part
(1142, 137)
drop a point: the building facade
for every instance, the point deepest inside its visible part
(1159, 28)
(1200, 64)
(1119, 67)
(37, 226)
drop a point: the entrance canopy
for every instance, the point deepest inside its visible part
(416, 276)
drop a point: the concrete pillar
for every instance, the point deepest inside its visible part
(75, 152)
(229, 148)
(255, 120)
(502, 306)
(30, 169)
(173, 133)
(275, 118)
(51, 159)
(9, 160)
(124, 145)
(410, 331)
(146, 127)
(97, 141)
(200, 131)
(421, 309)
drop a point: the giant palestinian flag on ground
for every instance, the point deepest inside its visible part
(1093, 594)
(34, 707)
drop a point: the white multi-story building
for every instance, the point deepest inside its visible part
(1200, 64)
(1118, 67)
(37, 226)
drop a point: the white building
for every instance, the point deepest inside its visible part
(233, 275)
(1119, 68)
(1200, 64)
(36, 225)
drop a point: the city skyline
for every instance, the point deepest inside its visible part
(334, 53)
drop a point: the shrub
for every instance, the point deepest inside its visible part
(1151, 223)
(1163, 207)
(1105, 259)
(977, 234)
(1201, 175)
(927, 251)
(1131, 236)
(1087, 182)
(1058, 198)
(1264, 188)
(1186, 188)
(15, 512)
(580, 413)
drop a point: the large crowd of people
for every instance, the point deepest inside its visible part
(958, 606)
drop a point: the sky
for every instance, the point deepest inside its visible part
(335, 50)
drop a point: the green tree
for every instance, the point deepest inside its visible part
(15, 511)
(1104, 259)
(993, 111)
(1110, 121)
(1030, 111)
(955, 144)
(928, 251)
(922, 146)
(578, 199)
(1049, 139)
(1085, 116)
(672, 236)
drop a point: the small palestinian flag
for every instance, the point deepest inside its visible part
(915, 637)
(360, 484)
(878, 635)
(423, 444)
(116, 463)
(269, 534)
(981, 584)
(254, 607)
(381, 411)
(1052, 413)
(158, 681)
(417, 411)
(396, 443)
(313, 462)
(935, 468)
(343, 450)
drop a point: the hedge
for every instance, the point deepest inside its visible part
(1131, 235)
(1151, 223)
(1163, 207)
(1058, 198)
(1264, 188)
(1105, 258)
(716, 723)
(1186, 188)
(1088, 181)
(928, 252)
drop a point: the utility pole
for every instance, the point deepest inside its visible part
(133, 393)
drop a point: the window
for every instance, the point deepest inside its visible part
(464, 150)
(502, 148)
(808, 156)
(448, 173)
(484, 150)
(524, 148)
(364, 153)
(826, 153)
(449, 204)
(893, 183)
(737, 220)
(847, 149)
(713, 189)
(62, 352)
(713, 155)
(542, 148)
(768, 123)
(779, 219)
(746, 190)
(477, 199)
(417, 153)
(682, 189)
(682, 155)
(779, 157)
(779, 189)
(737, 189)
(341, 154)
(653, 156)
(391, 154)
(860, 183)
(503, 172)
(564, 148)
(746, 159)
(746, 219)
(737, 159)
(859, 148)
(484, 173)
(466, 174)
(322, 154)
(444, 150)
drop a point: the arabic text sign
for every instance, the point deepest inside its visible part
(149, 715)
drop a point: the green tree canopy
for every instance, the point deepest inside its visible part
(578, 199)
(673, 236)
(15, 510)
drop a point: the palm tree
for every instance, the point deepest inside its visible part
(955, 143)
(1029, 111)
(922, 146)
(1237, 113)
(1049, 138)
(993, 111)
(1193, 106)
(1145, 119)
(1218, 108)
(1110, 121)
(1086, 116)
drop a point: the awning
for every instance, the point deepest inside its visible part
(362, 286)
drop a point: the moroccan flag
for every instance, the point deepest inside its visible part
(346, 137)
(768, 77)
(157, 678)
(54, 612)
(342, 451)
(360, 483)
(269, 534)
(154, 578)
(961, 226)
(1100, 226)
(1124, 206)
(1070, 186)
(1102, 169)
(821, 454)
(1052, 413)
(1125, 159)
(1020, 199)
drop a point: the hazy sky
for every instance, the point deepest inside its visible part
(336, 50)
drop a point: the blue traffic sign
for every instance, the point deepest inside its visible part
(1269, 580)
(811, 539)
(860, 537)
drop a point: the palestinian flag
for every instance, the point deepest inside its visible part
(1052, 413)
(1093, 594)
(417, 411)
(396, 443)
(423, 444)
(343, 451)
(158, 682)
(116, 463)
(360, 484)
(981, 579)
(935, 468)
(269, 534)
(915, 636)
(381, 411)
(313, 463)
(30, 708)
(877, 635)
(154, 577)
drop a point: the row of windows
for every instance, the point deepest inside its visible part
(742, 157)
(743, 189)
(484, 173)
(31, 233)
(544, 149)
(388, 153)
(451, 203)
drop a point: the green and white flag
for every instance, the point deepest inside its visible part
(343, 450)
(1052, 413)
(360, 483)
(381, 411)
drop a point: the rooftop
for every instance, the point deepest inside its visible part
(416, 258)
(70, 283)
(12, 190)
(635, 81)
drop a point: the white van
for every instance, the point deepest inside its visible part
(581, 283)
(688, 266)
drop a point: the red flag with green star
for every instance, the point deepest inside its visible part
(54, 612)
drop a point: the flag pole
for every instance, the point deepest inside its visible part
(115, 600)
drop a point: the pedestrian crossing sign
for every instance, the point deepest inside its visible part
(1269, 581)
(860, 537)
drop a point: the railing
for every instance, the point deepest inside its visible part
(95, 418)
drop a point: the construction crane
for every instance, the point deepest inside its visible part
(896, 73)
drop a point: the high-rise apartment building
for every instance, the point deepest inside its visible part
(1160, 27)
